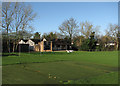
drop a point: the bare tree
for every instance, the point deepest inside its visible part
(112, 31)
(7, 18)
(69, 28)
(78, 40)
(23, 16)
(86, 28)
(17, 17)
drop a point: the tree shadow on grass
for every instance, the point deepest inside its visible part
(4, 54)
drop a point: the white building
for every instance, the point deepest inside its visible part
(30, 42)
(21, 42)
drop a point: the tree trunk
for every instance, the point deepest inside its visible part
(13, 47)
(8, 50)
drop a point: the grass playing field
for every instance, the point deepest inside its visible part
(61, 68)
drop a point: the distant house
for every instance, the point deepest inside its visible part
(60, 44)
(110, 45)
(44, 45)
(21, 42)
(31, 44)
(97, 44)
(23, 48)
(37, 45)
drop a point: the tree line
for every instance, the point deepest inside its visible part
(16, 25)
(85, 36)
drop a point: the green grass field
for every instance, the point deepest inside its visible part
(61, 68)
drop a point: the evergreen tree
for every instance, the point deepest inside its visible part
(92, 42)
(37, 35)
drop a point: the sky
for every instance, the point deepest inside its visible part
(50, 15)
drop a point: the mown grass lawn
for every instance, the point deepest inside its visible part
(61, 68)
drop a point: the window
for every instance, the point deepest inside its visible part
(47, 45)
